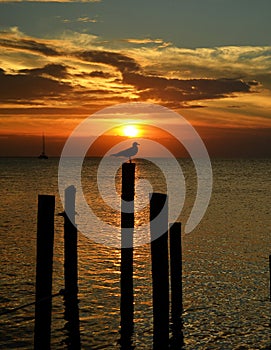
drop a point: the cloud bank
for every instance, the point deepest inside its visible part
(76, 74)
(185, 75)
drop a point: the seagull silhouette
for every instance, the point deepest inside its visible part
(129, 152)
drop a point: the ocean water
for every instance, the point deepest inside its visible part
(225, 259)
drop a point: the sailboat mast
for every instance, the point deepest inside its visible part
(43, 155)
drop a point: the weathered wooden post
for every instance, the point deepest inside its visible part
(71, 270)
(270, 277)
(160, 278)
(175, 242)
(127, 230)
(44, 270)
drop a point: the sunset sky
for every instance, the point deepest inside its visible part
(209, 60)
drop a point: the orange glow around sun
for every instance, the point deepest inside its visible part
(130, 130)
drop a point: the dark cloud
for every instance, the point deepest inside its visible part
(99, 74)
(155, 87)
(27, 87)
(253, 83)
(46, 111)
(38, 82)
(164, 89)
(53, 70)
(121, 62)
(94, 74)
(29, 45)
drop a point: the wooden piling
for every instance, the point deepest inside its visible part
(70, 243)
(127, 230)
(160, 275)
(44, 270)
(71, 271)
(270, 277)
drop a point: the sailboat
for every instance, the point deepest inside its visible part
(43, 155)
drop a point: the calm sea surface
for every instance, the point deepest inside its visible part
(226, 274)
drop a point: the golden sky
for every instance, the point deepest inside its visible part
(50, 82)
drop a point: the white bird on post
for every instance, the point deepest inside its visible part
(129, 152)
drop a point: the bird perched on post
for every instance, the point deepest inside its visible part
(129, 152)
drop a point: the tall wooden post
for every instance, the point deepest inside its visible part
(44, 270)
(127, 230)
(160, 278)
(71, 270)
(70, 243)
(270, 277)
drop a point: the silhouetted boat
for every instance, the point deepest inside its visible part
(43, 155)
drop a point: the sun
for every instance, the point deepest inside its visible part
(130, 130)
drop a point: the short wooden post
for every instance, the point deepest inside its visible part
(160, 278)
(44, 270)
(71, 270)
(175, 242)
(127, 230)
